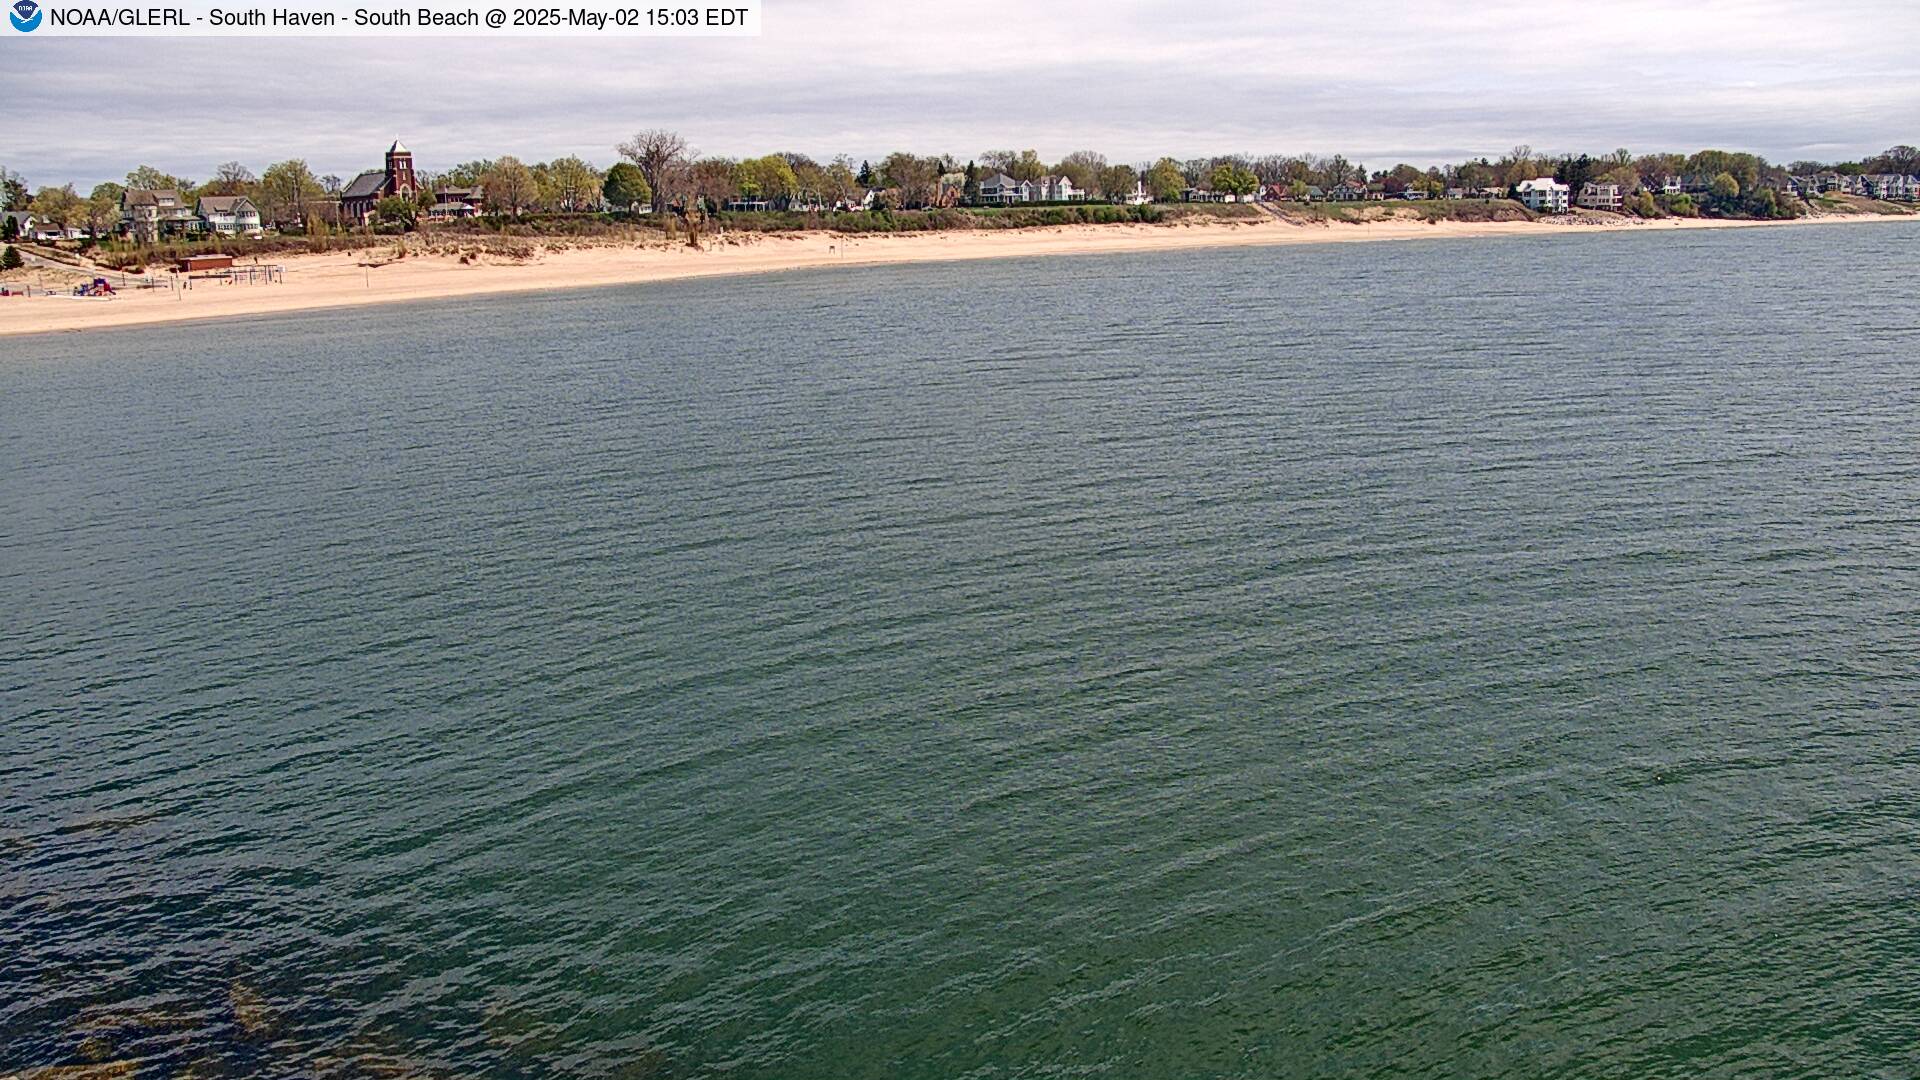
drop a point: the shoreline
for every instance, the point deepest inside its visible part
(342, 280)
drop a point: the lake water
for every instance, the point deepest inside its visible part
(1442, 659)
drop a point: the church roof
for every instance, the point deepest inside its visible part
(367, 183)
(396, 148)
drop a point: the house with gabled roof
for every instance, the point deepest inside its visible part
(1001, 188)
(229, 215)
(149, 214)
(1544, 194)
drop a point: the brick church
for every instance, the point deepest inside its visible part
(367, 189)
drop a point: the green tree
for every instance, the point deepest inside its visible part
(1117, 181)
(9, 228)
(1576, 172)
(1744, 168)
(1233, 180)
(148, 178)
(1165, 180)
(10, 259)
(466, 174)
(13, 190)
(626, 187)
(510, 187)
(1019, 164)
(56, 206)
(103, 208)
(811, 177)
(288, 192)
(572, 184)
(1724, 186)
(841, 184)
(770, 177)
(396, 211)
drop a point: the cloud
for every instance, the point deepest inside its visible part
(1380, 82)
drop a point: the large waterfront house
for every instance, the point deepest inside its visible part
(1001, 188)
(1887, 186)
(1347, 191)
(1890, 186)
(1598, 196)
(365, 191)
(1057, 189)
(229, 215)
(1544, 195)
(149, 214)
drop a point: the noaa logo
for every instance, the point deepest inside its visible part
(25, 15)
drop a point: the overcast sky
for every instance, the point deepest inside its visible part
(1380, 82)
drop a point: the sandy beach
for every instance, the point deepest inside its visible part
(347, 279)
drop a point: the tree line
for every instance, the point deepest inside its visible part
(660, 171)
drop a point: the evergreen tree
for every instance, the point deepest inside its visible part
(865, 179)
(10, 259)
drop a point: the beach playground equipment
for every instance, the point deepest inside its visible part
(97, 287)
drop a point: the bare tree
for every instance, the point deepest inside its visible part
(658, 153)
(232, 178)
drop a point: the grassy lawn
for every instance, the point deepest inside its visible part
(1403, 210)
(1835, 203)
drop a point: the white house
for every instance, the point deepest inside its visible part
(1057, 189)
(22, 223)
(1140, 197)
(1595, 196)
(1545, 195)
(229, 215)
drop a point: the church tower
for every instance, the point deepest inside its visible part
(400, 179)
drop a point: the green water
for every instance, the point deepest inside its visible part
(1488, 659)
